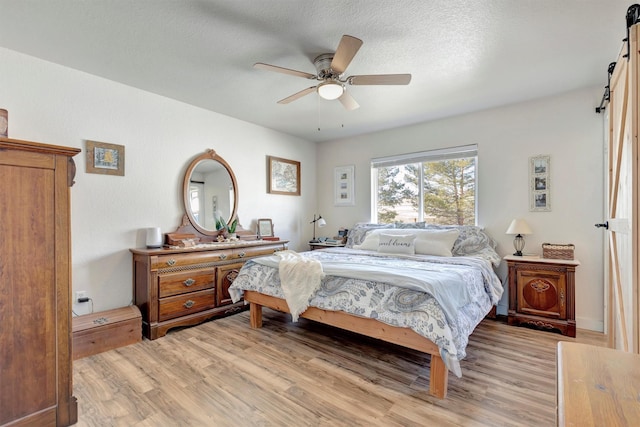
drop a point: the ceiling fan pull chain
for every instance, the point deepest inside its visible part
(318, 110)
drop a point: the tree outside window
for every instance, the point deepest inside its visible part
(438, 192)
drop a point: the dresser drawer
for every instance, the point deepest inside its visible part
(256, 251)
(181, 305)
(175, 261)
(187, 281)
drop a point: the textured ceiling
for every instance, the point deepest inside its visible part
(464, 55)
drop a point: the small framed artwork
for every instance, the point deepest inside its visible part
(540, 184)
(265, 228)
(344, 186)
(283, 176)
(104, 158)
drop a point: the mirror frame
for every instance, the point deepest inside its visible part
(210, 154)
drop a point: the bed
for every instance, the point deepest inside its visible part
(423, 287)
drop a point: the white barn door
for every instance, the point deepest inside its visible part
(623, 201)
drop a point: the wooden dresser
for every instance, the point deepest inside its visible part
(35, 284)
(181, 287)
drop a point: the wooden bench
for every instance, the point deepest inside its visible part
(597, 386)
(105, 330)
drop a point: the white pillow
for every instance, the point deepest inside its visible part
(396, 244)
(437, 243)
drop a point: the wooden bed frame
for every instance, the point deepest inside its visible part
(370, 327)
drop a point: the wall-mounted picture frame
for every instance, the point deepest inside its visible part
(344, 186)
(540, 184)
(104, 158)
(283, 176)
(265, 227)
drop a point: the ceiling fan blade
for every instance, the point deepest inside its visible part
(283, 70)
(297, 95)
(348, 102)
(381, 79)
(345, 52)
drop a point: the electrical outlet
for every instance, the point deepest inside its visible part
(79, 295)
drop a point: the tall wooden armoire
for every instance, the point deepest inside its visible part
(35, 284)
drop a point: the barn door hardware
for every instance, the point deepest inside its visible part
(607, 93)
(633, 17)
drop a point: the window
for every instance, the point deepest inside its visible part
(196, 199)
(437, 186)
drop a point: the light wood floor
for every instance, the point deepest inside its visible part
(222, 373)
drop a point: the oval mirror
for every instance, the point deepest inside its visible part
(210, 191)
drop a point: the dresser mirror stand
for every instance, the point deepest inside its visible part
(209, 192)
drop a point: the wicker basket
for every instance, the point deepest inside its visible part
(558, 250)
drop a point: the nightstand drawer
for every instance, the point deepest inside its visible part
(190, 281)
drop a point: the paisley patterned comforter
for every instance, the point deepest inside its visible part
(392, 303)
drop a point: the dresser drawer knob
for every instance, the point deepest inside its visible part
(241, 254)
(189, 282)
(223, 256)
(189, 304)
(171, 262)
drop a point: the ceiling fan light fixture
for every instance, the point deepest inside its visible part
(330, 90)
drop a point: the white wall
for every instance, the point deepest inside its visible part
(57, 105)
(564, 127)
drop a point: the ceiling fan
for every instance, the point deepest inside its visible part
(330, 68)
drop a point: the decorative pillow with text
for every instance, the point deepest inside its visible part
(397, 244)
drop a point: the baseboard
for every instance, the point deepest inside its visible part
(589, 324)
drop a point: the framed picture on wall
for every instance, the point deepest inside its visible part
(104, 158)
(540, 184)
(344, 186)
(283, 176)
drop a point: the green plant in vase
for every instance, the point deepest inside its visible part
(232, 227)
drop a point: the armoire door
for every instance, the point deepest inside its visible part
(35, 277)
(27, 293)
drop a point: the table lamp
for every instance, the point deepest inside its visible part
(320, 222)
(519, 227)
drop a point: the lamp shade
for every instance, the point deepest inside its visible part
(321, 222)
(519, 226)
(330, 90)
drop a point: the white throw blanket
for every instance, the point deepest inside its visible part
(300, 279)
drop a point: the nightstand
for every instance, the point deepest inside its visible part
(322, 245)
(542, 293)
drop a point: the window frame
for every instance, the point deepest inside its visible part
(450, 153)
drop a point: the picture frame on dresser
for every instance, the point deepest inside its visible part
(265, 227)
